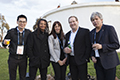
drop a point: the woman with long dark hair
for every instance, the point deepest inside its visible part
(38, 51)
(56, 43)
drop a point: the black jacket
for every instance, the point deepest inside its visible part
(109, 41)
(13, 36)
(38, 50)
(82, 45)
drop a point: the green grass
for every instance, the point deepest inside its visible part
(3, 64)
(4, 74)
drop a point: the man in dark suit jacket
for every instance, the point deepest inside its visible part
(17, 37)
(78, 48)
(105, 42)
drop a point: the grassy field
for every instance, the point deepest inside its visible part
(4, 74)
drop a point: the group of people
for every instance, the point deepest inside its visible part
(75, 48)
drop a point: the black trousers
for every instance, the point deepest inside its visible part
(60, 71)
(78, 71)
(33, 71)
(22, 66)
(104, 74)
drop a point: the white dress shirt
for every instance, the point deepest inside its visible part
(71, 39)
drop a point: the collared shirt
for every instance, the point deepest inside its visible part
(20, 31)
(72, 38)
(20, 36)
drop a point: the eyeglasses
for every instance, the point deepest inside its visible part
(22, 22)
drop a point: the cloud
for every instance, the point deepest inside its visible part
(6, 1)
(33, 9)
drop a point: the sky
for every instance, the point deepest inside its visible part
(33, 9)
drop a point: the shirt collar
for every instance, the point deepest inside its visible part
(19, 31)
(75, 31)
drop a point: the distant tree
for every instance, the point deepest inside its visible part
(3, 27)
(35, 26)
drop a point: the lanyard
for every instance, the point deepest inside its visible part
(22, 37)
(60, 42)
(95, 37)
(96, 50)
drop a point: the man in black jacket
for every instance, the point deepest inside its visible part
(17, 48)
(79, 52)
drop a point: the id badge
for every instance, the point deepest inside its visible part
(20, 50)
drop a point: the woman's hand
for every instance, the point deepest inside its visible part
(60, 62)
(64, 60)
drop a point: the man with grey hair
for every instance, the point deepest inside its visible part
(104, 44)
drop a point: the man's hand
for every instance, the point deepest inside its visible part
(67, 50)
(6, 41)
(94, 59)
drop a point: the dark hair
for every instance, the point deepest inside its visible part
(61, 31)
(73, 17)
(21, 16)
(47, 28)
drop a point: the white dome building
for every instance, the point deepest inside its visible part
(109, 10)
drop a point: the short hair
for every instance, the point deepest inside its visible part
(96, 14)
(73, 17)
(21, 16)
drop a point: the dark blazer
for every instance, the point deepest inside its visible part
(82, 45)
(109, 41)
(13, 36)
(38, 50)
